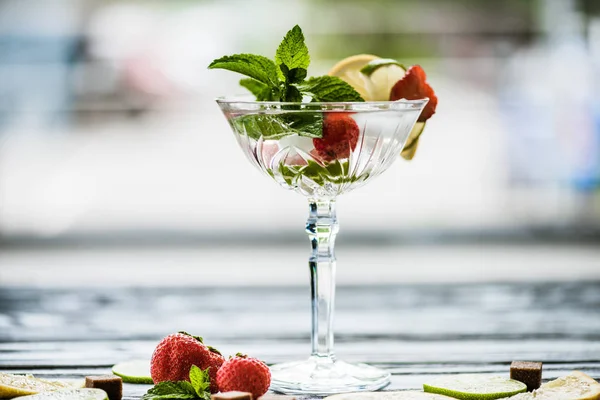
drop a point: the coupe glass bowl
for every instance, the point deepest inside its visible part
(360, 141)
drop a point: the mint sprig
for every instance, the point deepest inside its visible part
(329, 88)
(285, 78)
(293, 53)
(257, 67)
(197, 388)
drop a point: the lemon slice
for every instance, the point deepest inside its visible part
(21, 385)
(371, 76)
(382, 74)
(475, 386)
(348, 70)
(135, 371)
(575, 386)
(70, 383)
(69, 394)
(404, 395)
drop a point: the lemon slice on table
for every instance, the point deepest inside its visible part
(575, 386)
(403, 395)
(475, 386)
(135, 371)
(21, 385)
(69, 394)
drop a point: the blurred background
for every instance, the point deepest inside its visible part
(117, 168)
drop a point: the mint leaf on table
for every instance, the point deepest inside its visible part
(329, 88)
(258, 67)
(171, 390)
(293, 53)
(200, 381)
(198, 388)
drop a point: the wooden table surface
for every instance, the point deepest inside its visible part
(414, 331)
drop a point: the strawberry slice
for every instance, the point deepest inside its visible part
(413, 87)
(340, 135)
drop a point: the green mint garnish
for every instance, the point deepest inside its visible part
(329, 88)
(200, 381)
(293, 53)
(257, 67)
(261, 91)
(285, 78)
(197, 388)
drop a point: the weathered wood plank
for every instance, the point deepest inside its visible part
(105, 353)
(410, 312)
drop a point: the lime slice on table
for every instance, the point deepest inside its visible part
(576, 386)
(21, 385)
(69, 394)
(135, 371)
(475, 386)
(404, 395)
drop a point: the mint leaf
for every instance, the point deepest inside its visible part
(306, 124)
(292, 94)
(258, 89)
(171, 390)
(296, 75)
(200, 381)
(257, 125)
(329, 88)
(272, 127)
(292, 52)
(258, 67)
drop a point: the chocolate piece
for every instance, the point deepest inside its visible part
(111, 384)
(231, 396)
(530, 373)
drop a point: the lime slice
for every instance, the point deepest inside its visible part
(135, 371)
(576, 386)
(374, 65)
(69, 394)
(22, 385)
(475, 386)
(404, 395)
(348, 70)
(410, 147)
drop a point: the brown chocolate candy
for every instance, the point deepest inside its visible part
(232, 396)
(111, 384)
(528, 372)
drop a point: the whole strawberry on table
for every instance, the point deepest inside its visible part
(184, 367)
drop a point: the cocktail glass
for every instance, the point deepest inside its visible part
(275, 137)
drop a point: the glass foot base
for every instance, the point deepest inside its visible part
(324, 376)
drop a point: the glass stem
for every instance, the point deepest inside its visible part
(322, 228)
